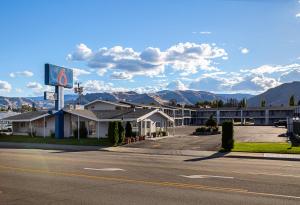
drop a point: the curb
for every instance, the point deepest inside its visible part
(201, 155)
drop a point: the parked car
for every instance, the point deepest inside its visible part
(280, 123)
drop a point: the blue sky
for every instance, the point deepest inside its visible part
(223, 46)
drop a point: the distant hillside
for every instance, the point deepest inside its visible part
(14, 102)
(277, 96)
(182, 97)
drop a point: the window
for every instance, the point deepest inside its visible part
(157, 124)
(148, 124)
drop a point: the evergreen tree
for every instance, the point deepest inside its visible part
(121, 132)
(128, 130)
(292, 101)
(263, 103)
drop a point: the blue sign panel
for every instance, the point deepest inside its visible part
(58, 76)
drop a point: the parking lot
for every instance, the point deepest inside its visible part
(184, 140)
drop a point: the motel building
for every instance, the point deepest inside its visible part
(95, 116)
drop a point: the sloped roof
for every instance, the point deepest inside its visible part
(107, 102)
(122, 114)
(27, 116)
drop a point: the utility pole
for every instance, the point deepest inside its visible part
(79, 91)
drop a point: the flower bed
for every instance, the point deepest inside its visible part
(129, 140)
(207, 131)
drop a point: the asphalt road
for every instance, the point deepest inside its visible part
(97, 177)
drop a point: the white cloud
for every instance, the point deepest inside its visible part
(36, 87)
(78, 72)
(101, 71)
(19, 90)
(24, 73)
(202, 32)
(205, 32)
(121, 75)
(272, 69)
(101, 86)
(234, 82)
(298, 15)
(191, 57)
(82, 52)
(5, 86)
(244, 50)
(176, 85)
(182, 57)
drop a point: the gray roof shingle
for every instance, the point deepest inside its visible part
(26, 116)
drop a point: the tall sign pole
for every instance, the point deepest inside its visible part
(60, 78)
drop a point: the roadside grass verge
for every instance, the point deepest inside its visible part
(265, 147)
(49, 140)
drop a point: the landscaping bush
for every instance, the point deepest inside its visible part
(163, 133)
(121, 133)
(52, 134)
(83, 132)
(128, 130)
(201, 129)
(113, 133)
(227, 136)
(215, 129)
(211, 122)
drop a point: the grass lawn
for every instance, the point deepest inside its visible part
(275, 147)
(48, 140)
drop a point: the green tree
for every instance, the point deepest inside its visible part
(292, 101)
(220, 103)
(243, 103)
(227, 136)
(211, 122)
(121, 132)
(262, 103)
(128, 130)
(113, 133)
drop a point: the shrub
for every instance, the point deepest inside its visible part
(83, 132)
(211, 122)
(121, 133)
(52, 134)
(113, 133)
(215, 129)
(227, 136)
(128, 130)
(201, 129)
(163, 133)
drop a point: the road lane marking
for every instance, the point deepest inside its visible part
(267, 174)
(104, 169)
(145, 182)
(205, 176)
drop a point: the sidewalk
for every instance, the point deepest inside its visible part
(205, 154)
(192, 153)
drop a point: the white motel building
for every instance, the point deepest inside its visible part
(145, 119)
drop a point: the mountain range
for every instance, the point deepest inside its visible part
(275, 96)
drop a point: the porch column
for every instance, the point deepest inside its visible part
(88, 128)
(267, 117)
(30, 128)
(44, 127)
(145, 128)
(78, 124)
(98, 131)
(173, 127)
